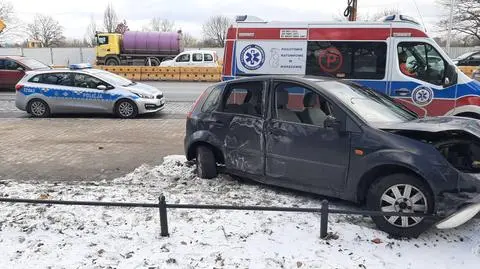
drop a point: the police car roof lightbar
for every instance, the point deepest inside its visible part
(80, 66)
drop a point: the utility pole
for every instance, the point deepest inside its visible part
(351, 10)
(450, 22)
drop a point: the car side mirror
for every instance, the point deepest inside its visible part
(451, 76)
(102, 87)
(20, 69)
(331, 123)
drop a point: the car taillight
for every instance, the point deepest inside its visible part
(189, 115)
(18, 87)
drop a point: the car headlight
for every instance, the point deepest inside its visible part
(145, 96)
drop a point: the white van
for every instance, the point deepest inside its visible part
(193, 58)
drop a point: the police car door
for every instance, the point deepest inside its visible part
(57, 90)
(418, 76)
(89, 97)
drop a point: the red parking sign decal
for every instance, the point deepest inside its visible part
(330, 59)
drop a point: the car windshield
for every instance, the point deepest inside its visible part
(113, 78)
(369, 105)
(33, 64)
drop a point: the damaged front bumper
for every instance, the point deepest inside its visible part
(469, 210)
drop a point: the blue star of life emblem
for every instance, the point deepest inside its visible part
(252, 57)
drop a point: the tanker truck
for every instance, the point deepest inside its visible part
(137, 48)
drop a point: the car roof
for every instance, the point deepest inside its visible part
(200, 51)
(12, 57)
(298, 78)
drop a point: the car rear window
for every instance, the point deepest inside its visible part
(33, 64)
(207, 57)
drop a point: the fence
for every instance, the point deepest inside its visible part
(162, 206)
(66, 56)
(143, 73)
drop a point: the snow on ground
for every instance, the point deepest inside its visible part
(61, 236)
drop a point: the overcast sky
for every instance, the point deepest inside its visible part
(189, 15)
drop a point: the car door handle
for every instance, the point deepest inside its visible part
(218, 123)
(108, 49)
(402, 92)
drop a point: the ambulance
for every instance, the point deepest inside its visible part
(393, 56)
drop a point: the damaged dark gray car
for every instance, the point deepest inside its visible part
(342, 140)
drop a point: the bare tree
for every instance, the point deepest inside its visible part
(110, 20)
(91, 33)
(46, 30)
(122, 27)
(13, 27)
(167, 25)
(466, 17)
(188, 40)
(215, 28)
(155, 24)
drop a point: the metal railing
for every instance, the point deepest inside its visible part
(162, 205)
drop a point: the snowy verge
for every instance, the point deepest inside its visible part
(60, 236)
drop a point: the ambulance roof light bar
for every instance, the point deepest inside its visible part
(248, 18)
(399, 18)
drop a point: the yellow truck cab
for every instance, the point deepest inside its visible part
(2, 26)
(137, 48)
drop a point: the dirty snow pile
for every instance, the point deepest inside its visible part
(61, 236)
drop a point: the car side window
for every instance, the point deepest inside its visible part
(421, 61)
(244, 98)
(62, 79)
(212, 100)
(86, 81)
(298, 104)
(184, 58)
(207, 57)
(197, 57)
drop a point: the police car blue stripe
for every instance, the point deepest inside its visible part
(79, 94)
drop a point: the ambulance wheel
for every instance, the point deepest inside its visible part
(38, 108)
(126, 109)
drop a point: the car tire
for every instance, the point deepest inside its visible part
(153, 61)
(126, 109)
(111, 61)
(38, 108)
(206, 163)
(401, 193)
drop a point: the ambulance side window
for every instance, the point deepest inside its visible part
(348, 60)
(421, 61)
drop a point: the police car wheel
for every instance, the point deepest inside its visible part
(126, 109)
(38, 108)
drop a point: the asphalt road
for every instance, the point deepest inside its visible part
(180, 96)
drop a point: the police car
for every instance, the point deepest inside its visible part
(82, 89)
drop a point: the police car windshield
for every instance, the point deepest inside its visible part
(368, 104)
(113, 78)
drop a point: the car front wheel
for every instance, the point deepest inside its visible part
(403, 193)
(206, 164)
(126, 109)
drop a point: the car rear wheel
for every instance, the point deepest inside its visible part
(126, 109)
(206, 163)
(38, 108)
(401, 193)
